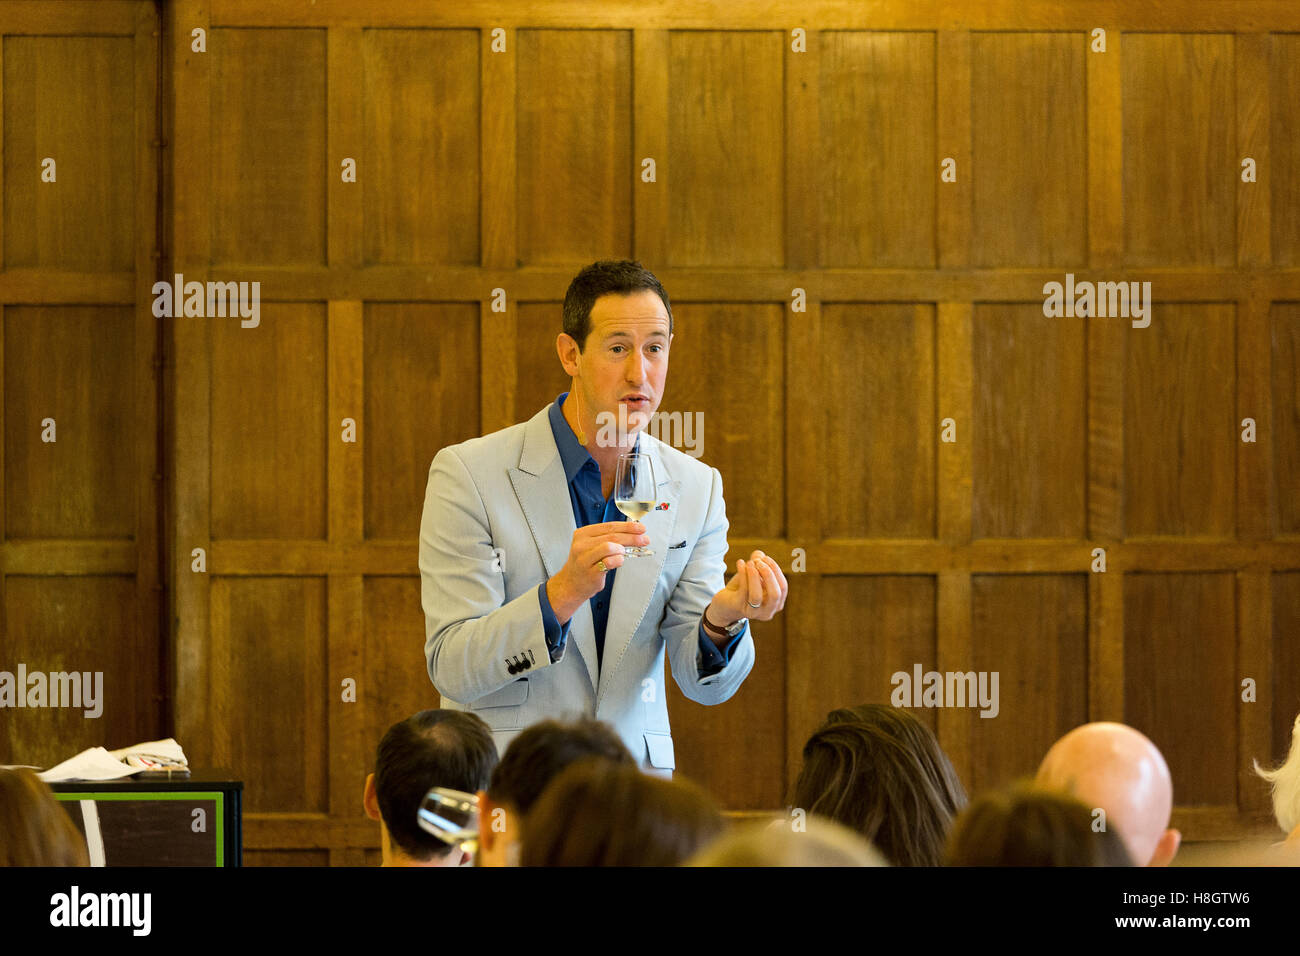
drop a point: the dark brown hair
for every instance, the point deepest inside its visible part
(606, 277)
(1024, 826)
(35, 830)
(434, 748)
(881, 772)
(601, 814)
(542, 751)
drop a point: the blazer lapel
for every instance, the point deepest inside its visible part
(543, 495)
(634, 584)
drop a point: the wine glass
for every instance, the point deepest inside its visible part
(634, 490)
(450, 815)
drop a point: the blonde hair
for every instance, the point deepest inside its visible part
(34, 829)
(822, 842)
(1286, 784)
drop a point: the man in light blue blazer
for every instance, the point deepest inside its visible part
(533, 607)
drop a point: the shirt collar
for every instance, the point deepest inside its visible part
(572, 453)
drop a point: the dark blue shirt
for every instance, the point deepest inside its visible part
(591, 507)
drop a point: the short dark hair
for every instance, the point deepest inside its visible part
(1023, 826)
(606, 277)
(880, 771)
(542, 751)
(434, 748)
(598, 813)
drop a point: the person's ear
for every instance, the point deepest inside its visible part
(1169, 843)
(370, 799)
(566, 346)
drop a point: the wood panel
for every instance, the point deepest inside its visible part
(267, 669)
(76, 365)
(1033, 631)
(1105, 86)
(420, 395)
(1285, 438)
(1179, 436)
(1027, 425)
(868, 628)
(1254, 211)
(877, 151)
(743, 429)
(391, 686)
(1284, 699)
(574, 132)
(1179, 135)
(1284, 147)
(79, 547)
(268, 393)
(539, 376)
(990, 15)
(704, 738)
(268, 104)
(69, 99)
(1180, 678)
(92, 625)
(876, 434)
(419, 168)
(724, 163)
(1028, 125)
(953, 137)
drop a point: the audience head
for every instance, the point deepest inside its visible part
(880, 771)
(34, 829)
(530, 763)
(1286, 787)
(818, 842)
(598, 813)
(434, 748)
(1023, 826)
(1116, 768)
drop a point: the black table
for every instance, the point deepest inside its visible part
(155, 820)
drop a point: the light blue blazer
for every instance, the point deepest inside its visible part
(498, 522)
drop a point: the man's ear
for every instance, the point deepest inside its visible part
(1169, 843)
(370, 799)
(566, 346)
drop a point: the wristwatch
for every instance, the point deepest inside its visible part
(731, 630)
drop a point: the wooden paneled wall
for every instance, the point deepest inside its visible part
(80, 468)
(500, 151)
(502, 148)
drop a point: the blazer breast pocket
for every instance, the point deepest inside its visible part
(675, 562)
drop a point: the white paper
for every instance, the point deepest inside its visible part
(146, 755)
(93, 764)
(100, 764)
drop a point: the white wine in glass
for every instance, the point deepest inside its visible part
(634, 491)
(450, 815)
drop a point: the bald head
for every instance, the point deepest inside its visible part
(1114, 767)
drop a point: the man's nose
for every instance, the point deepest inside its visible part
(636, 369)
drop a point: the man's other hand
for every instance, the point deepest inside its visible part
(758, 581)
